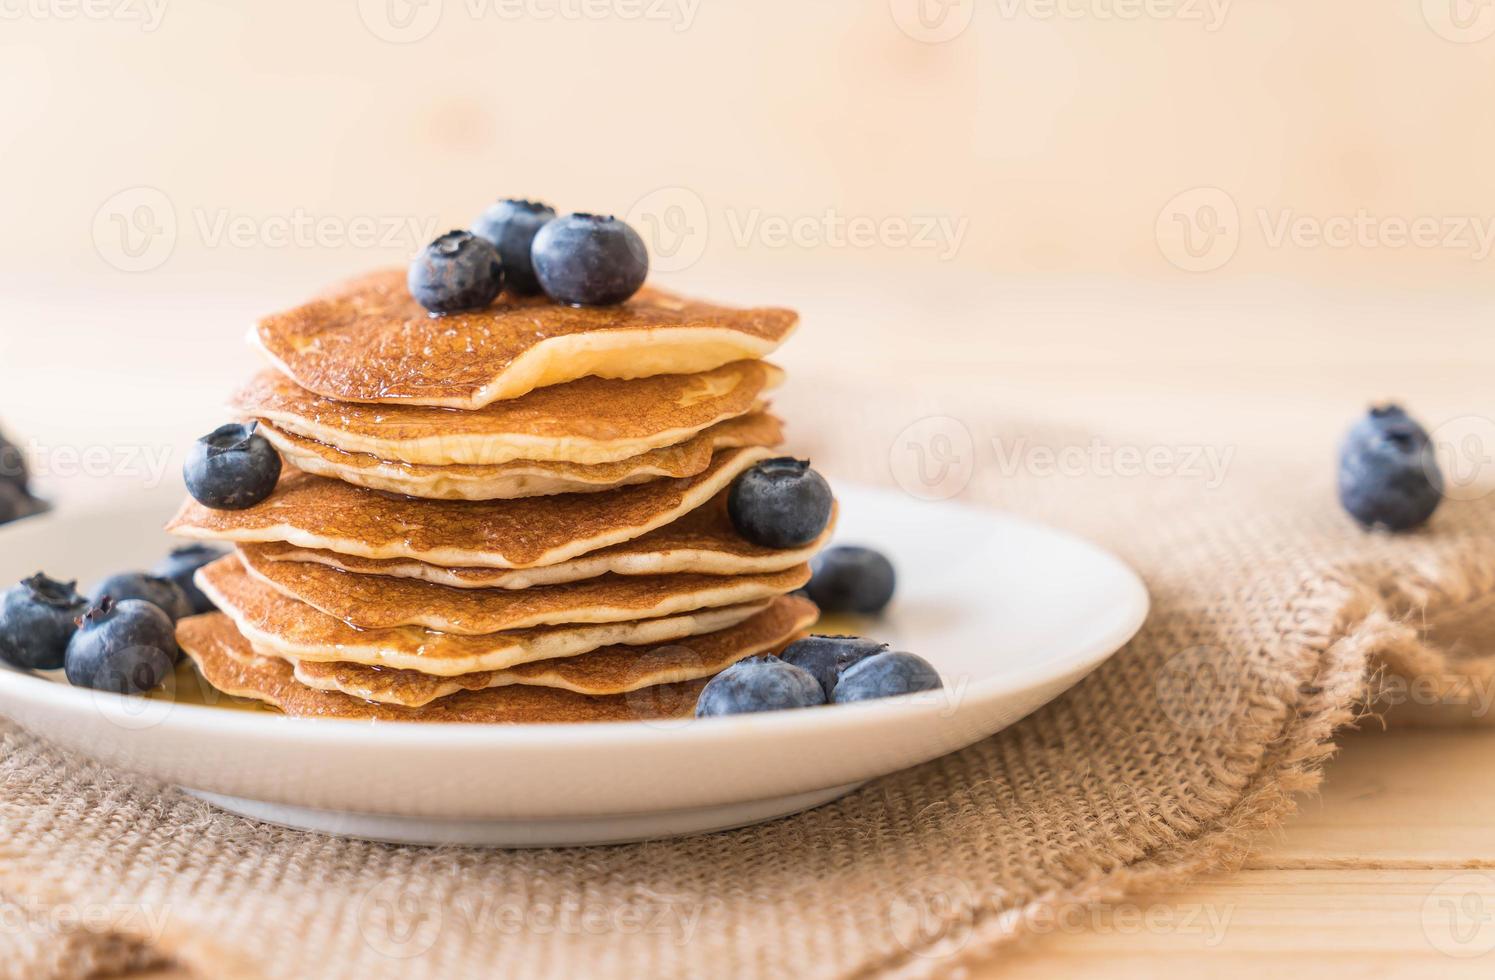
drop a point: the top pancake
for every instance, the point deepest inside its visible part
(370, 341)
(589, 422)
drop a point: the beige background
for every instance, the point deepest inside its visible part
(1113, 209)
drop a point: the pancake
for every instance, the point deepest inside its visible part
(609, 670)
(702, 541)
(227, 662)
(315, 512)
(523, 478)
(284, 627)
(377, 602)
(590, 421)
(370, 341)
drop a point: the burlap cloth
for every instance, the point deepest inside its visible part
(1273, 622)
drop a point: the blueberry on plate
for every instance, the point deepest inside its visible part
(458, 271)
(1388, 476)
(16, 503)
(825, 657)
(762, 683)
(231, 468)
(37, 618)
(589, 260)
(851, 579)
(780, 503)
(886, 675)
(163, 593)
(127, 647)
(13, 470)
(182, 564)
(511, 226)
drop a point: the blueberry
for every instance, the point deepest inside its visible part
(1388, 476)
(182, 563)
(458, 271)
(886, 675)
(231, 468)
(13, 470)
(780, 503)
(826, 656)
(163, 593)
(763, 683)
(589, 260)
(15, 503)
(851, 579)
(37, 618)
(511, 225)
(126, 647)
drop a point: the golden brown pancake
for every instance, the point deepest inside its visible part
(702, 541)
(370, 341)
(314, 512)
(591, 421)
(229, 664)
(379, 602)
(284, 627)
(523, 478)
(609, 670)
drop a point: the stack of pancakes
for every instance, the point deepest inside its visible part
(513, 514)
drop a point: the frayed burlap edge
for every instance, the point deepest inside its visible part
(1367, 629)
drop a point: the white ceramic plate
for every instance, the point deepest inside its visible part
(1012, 614)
